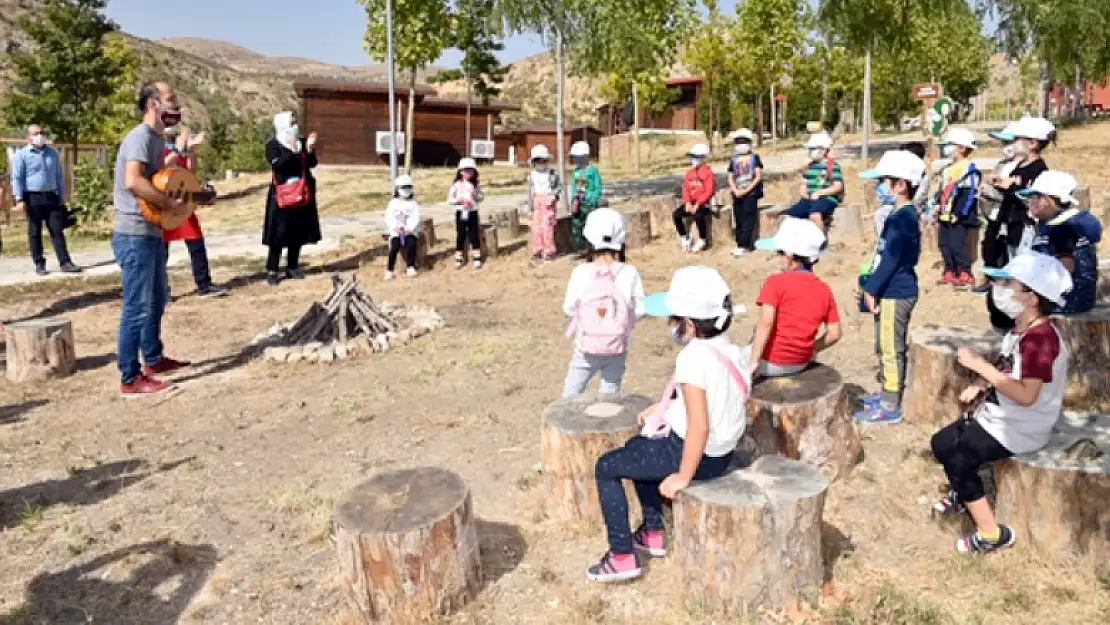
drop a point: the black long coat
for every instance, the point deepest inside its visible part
(299, 226)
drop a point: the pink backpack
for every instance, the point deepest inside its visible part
(603, 317)
(655, 426)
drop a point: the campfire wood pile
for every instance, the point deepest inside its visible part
(347, 323)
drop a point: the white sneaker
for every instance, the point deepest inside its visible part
(458, 263)
(389, 275)
(477, 264)
(685, 243)
(410, 272)
(739, 252)
(698, 246)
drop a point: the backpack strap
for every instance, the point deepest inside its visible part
(656, 426)
(733, 370)
(1064, 217)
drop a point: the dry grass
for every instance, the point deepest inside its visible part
(227, 520)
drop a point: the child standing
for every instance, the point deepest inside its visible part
(402, 218)
(698, 187)
(544, 189)
(745, 178)
(587, 192)
(794, 304)
(957, 201)
(702, 417)
(605, 298)
(466, 196)
(824, 183)
(890, 293)
(1022, 396)
(992, 249)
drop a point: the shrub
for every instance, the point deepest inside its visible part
(92, 193)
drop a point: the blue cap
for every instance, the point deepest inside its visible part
(1001, 135)
(656, 305)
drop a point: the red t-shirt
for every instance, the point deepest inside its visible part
(190, 230)
(802, 303)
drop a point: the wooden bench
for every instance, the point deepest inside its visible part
(637, 228)
(935, 378)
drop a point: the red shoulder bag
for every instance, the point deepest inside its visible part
(294, 195)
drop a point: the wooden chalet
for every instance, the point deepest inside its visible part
(681, 115)
(522, 140)
(352, 121)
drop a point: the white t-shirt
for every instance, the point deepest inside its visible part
(400, 213)
(1036, 353)
(541, 182)
(627, 279)
(698, 366)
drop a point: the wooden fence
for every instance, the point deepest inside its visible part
(97, 151)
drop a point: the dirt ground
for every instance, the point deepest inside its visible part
(212, 505)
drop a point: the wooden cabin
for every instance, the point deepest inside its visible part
(681, 115)
(352, 121)
(523, 139)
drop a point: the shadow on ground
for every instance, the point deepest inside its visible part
(14, 413)
(503, 549)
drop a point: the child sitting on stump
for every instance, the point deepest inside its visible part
(824, 183)
(690, 434)
(1022, 397)
(698, 187)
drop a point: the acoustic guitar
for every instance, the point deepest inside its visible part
(179, 184)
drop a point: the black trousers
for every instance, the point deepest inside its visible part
(952, 239)
(468, 231)
(273, 259)
(46, 207)
(198, 258)
(395, 247)
(745, 216)
(993, 247)
(962, 448)
(701, 219)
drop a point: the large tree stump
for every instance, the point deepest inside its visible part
(1056, 499)
(427, 229)
(1103, 289)
(769, 219)
(660, 207)
(489, 242)
(40, 349)
(847, 225)
(1087, 337)
(564, 242)
(721, 233)
(637, 228)
(407, 545)
(751, 539)
(805, 416)
(507, 222)
(935, 379)
(576, 432)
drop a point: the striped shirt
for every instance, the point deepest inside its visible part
(817, 178)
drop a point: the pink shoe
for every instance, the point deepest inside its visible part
(615, 568)
(652, 543)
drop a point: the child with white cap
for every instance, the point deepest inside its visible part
(402, 219)
(605, 298)
(690, 434)
(824, 183)
(698, 187)
(466, 196)
(794, 303)
(890, 292)
(1021, 397)
(1066, 233)
(745, 178)
(544, 189)
(586, 180)
(992, 249)
(957, 201)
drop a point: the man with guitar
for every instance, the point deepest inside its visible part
(137, 244)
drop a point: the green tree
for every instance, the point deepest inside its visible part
(445, 76)
(769, 35)
(709, 53)
(478, 37)
(421, 31)
(117, 114)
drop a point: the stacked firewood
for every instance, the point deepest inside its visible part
(347, 312)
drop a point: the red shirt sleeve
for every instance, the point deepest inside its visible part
(708, 185)
(686, 198)
(1039, 348)
(770, 294)
(832, 315)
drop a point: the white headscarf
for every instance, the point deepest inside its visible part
(283, 130)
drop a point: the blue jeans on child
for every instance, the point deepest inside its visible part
(142, 262)
(804, 208)
(583, 367)
(647, 462)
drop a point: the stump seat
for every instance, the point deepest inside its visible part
(507, 222)
(407, 545)
(935, 379)
(659, 210)
(770, 216)
(39, 349)
(1056, 498)
(847, 226)
(637, 227)
(1087, 337)
(807, 417)
(576, 432)
(751, 539)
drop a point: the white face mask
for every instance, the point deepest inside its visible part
(949, 151)
(38, 140)
(1008, 151)
(743, 148)
(1020, 149)
(1003, 297)
(294, 130)
(678, 336)
(541, 166)
(816, 154)
(404, 192)
(696, 162)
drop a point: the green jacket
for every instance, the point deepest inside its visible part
(587, 181)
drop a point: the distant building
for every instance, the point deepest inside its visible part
(681, 115)
(516, 145)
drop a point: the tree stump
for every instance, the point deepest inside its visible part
(1083, 194)
(805, 416)
(847, 225)
(1106, 208)
(576, 432)
(40, 349)
(407, 545)
(1055, 499)
(508, 223)
(427, 229)
(564, 242)
(637, 228)
(489, 242)
(1087, 337)
(1102, 293)
(751, 539)
(929, 240)
(769, 219)
(660, 209)
(721, 233)
(935, 379)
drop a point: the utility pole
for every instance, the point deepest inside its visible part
(392, 92)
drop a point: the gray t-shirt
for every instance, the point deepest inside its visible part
(145, 145)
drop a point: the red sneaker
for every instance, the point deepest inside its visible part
(948, 278)
(166, 365)
(964, 281)
(143, 385)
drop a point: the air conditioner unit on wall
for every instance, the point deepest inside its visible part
(481, 149)
(381, 141)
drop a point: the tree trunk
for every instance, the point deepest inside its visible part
(408, 546)
(774, 123)
(560, 94)
(410, 116)
(935, 377)
(40, 349)
(865, 141)
(759, 120)
(1087, 337)
(710, 132)
(469, 96)
(636, 125)
(507, 222)
(637, 223)
(825, 93)
(1046, 87)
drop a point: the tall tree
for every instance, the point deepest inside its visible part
(710, 53)
(770, 36)
(118, 111)
(421, 31)
(478, 37)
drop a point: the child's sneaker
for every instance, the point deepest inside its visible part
(459, 264)
(537, 258)
(410, 272)
(477, 264)
(685, 243)
(698, 247)
(389, 275)
(947, 279)
(877, 415)
(948, 505)
(873, 400)
(739, 252)
(963, 281)
(653, 543)
(550, 258)
(982, 289)
(975, 544)
(615, 568)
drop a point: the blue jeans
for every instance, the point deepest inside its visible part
(804, 208)
(142, 262)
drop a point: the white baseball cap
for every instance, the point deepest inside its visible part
(467, 163)
(899, 164)
(1037, 128)
(696, 292)
(1042, 273)
(540, 153)
(580, 148)
(961, 137)
(797, 237)
(821, 140)
(605, 229)
(743, 133)
(1052, 183)
(402, 181)
(700, 150)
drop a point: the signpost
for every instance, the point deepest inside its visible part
(933, 121)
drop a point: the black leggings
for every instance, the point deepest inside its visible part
(396, 246)
(745, 215)
(273, 259)
(468, 231)
(963, 447)
(701, 219)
